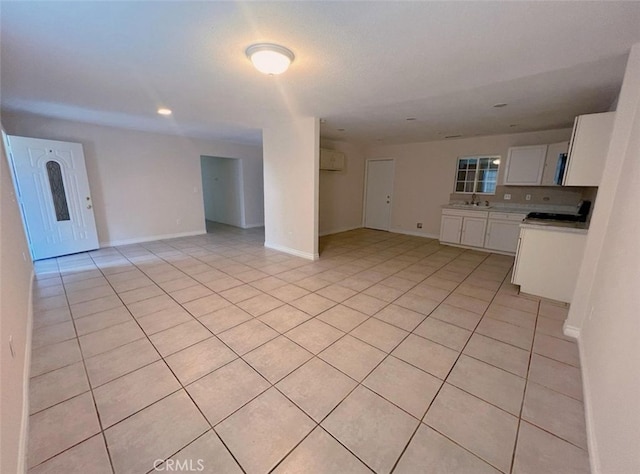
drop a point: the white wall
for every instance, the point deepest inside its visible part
(291, 169)
(253, 191)
(222, 190)
(15, 315)
(605, 312)
(341, 192)
(424, 173)
(144, 186)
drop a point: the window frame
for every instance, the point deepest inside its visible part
(491, 158)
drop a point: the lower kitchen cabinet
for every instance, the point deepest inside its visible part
(473, 230)
(548, 261)
(450, 228)
(497, 231)
(463, 227)
(503, 230)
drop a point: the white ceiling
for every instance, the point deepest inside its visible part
(365, 67)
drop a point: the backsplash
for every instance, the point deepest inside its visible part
(540, 195)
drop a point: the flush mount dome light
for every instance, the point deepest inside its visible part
(270, 58)
(164, 111)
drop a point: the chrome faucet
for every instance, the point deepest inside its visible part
(473, 200)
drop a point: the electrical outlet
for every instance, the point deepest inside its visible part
(527, 197)
(507, 197)
(419, 225)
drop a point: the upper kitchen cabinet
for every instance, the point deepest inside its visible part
(551, 176)
(588, 149)
(525, 165)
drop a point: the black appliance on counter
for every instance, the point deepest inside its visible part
(583, 209)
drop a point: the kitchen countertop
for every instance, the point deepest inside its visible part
(517, 209)
(553, 225)
(557, 226)
(514, 210)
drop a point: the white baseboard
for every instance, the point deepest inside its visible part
(150, 238)
(594, 457)
(24, 424)
(338, 231)
(398, 230)
(297, 253)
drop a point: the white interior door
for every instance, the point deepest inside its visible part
(53, 190)
(379, 193)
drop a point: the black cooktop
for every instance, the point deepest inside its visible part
(556, 217)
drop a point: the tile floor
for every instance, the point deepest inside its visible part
(391, 353)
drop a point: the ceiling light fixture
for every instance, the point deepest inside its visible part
(164, 111)
(270, 58)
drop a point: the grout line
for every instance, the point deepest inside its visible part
(372, 264)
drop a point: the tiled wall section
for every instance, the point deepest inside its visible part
(539, 195)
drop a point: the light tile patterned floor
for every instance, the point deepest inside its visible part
(391, 353)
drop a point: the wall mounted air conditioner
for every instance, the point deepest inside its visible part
(331, 160)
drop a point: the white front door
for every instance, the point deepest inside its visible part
(53, 191)
(379, 192)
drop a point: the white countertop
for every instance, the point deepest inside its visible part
(557, 226)
(514, 208)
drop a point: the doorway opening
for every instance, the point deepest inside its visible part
(232, 190)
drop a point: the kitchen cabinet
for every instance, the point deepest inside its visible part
(588, 149)
(548, 261)
(450, 228)
(473, 231)
(503, 231)
(554, 150)
(525, 165)
(463, 227)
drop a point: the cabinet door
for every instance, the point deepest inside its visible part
(473, 229)
(450, 229)
(502, 235)
(588, 149)
(548, 262)
(525, 165)
(551, 162)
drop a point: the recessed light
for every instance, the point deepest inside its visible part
(500, 105)
(164, 111)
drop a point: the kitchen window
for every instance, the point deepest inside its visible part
(477, 174)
